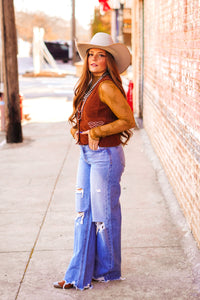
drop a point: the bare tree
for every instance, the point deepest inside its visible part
(55, 28)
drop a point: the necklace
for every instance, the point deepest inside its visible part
(79, 111)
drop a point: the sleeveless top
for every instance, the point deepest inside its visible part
(95, 113)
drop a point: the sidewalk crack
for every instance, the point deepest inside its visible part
(43, 220)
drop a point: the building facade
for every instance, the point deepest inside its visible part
(166, 75)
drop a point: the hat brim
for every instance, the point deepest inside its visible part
(119, 51)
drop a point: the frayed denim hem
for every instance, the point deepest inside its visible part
(103, 279)
(89, 286)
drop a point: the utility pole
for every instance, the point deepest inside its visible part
(115, 19)
(10, 72)
(73, 33)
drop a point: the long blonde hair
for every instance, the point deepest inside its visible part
(82, 87)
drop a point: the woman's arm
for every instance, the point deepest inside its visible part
(113, 97)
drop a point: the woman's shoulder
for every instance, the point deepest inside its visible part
(107, 85)
(108, 90)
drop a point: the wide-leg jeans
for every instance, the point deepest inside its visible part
(97, 236)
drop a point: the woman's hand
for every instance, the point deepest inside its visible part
(74, 133)
(76, 136)
(93, 144)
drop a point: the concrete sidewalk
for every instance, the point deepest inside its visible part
(159, 256)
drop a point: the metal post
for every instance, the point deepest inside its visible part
(117, 25)
(73, 34)
(121, 22)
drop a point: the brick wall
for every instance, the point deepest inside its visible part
(171, 103)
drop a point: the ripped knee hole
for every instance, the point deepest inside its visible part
(81, 216)
(100, 226)
(79, 191)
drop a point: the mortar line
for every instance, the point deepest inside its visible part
(42, 223)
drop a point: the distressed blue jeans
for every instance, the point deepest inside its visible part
(97, 236)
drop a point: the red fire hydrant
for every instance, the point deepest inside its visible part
(130, 94)
(21, 98)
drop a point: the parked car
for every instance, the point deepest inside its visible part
(59, 51)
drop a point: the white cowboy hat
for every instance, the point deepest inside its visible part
(104, 41)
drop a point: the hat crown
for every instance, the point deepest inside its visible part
(101, 39)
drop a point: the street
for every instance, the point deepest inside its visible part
(41, 95)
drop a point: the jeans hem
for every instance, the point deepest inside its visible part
(88, 286)
(104, 279)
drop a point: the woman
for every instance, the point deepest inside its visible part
(101, 121)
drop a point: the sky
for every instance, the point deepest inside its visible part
(84, 9)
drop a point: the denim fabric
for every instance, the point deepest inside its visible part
(97, 238)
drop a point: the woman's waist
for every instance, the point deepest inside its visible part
(107, 141)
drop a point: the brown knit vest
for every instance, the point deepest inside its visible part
(96, 113)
